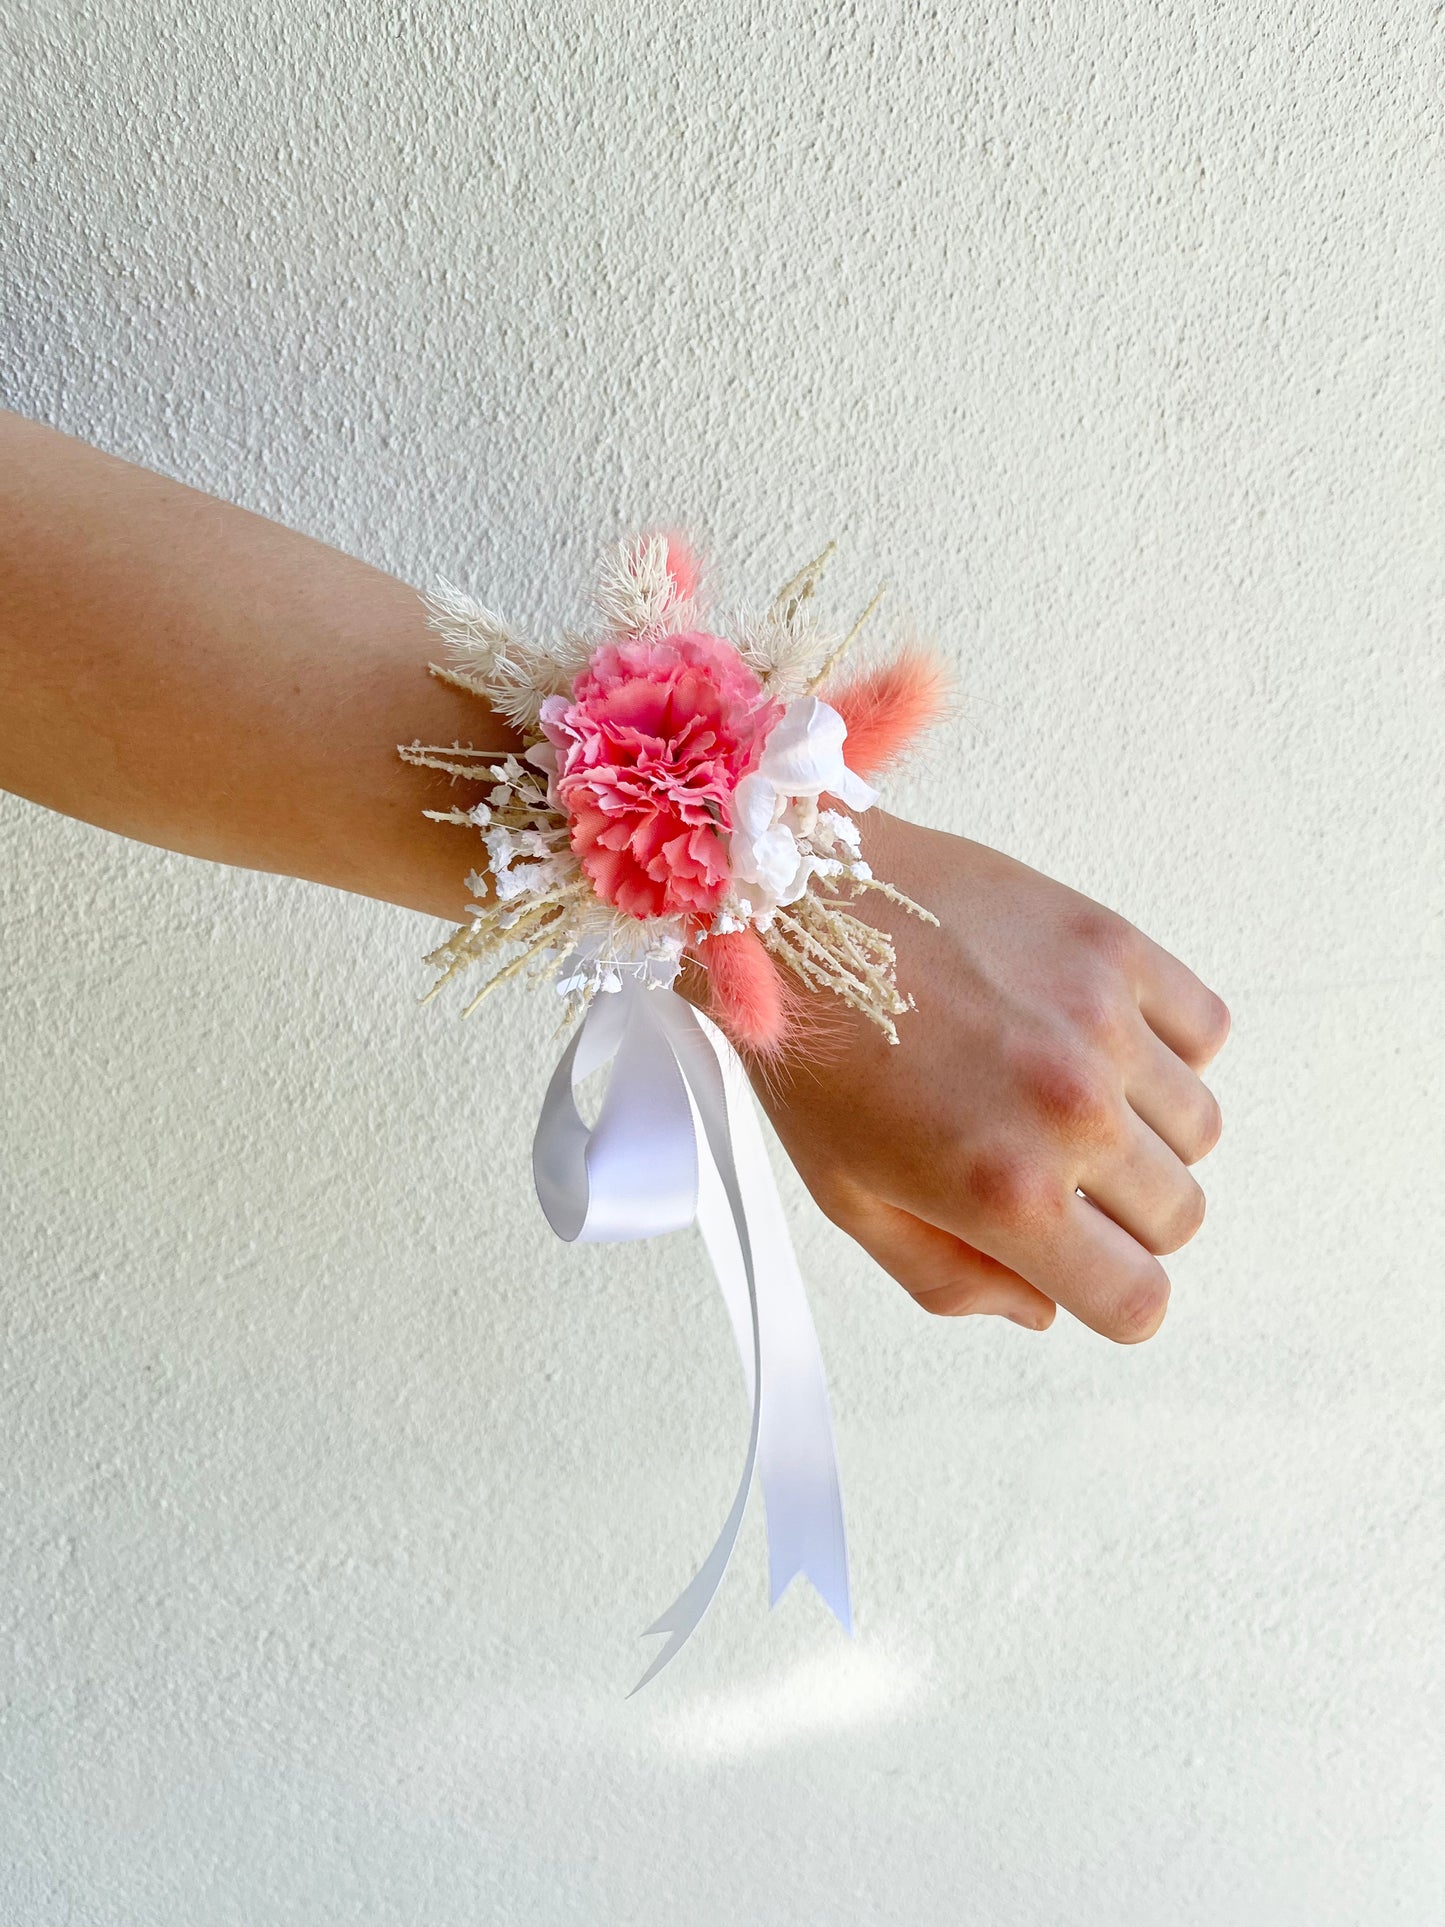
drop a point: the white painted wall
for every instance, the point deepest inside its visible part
(334, 1491)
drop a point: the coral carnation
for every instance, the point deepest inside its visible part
(654, 741)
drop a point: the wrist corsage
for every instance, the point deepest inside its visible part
(685, 794)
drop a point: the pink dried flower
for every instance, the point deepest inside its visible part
(652, 745)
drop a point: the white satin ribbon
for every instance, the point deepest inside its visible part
(677, 1140)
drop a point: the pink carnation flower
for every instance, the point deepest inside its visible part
(655, 740)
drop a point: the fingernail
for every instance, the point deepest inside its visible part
(1029, 1320)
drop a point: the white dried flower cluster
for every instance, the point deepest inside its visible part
(607, 945)
(825, 843)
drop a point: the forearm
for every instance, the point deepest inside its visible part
(189, 674)
(183, 672)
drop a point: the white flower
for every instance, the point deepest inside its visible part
(774, 860)
(803, 755)
(835, 828)
(775, 808)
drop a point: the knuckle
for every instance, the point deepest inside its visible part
(837, 1197)
(1181, 1221)
(1073, 1101)
(949, 1301)
(1096, 1015)
(1206, 1128)
(1217, 1021)
(1003, 1187)
(935, 1305)
(1108, 936)
(1140, 1311)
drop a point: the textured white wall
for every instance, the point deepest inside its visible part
(334, 1491)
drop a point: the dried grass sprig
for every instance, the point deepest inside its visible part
(450, 759)
(799, 588)
(783, 655)
(824, 943)
(837, 654)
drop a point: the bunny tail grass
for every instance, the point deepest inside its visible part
(887, 708)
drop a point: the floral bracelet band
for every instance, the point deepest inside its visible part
(676, 795)
(684, 794)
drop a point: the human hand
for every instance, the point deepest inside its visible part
(1055, 1050)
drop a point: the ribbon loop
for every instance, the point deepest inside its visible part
(634, 1173)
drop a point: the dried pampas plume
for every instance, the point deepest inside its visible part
(645, 586)
(475, 638)
(485, 657)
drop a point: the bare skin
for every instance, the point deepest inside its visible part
(1055, 1050)
(185, 673)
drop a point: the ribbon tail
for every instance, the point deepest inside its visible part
(700, 1070)
(797, 1455)
(685, 1614)
(746, 1231)
(678, 1137)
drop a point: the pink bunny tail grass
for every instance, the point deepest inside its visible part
(760, 1007)
(747, 996)
(886, 709)
(682, 565)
